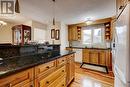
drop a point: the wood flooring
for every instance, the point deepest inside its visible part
(88, 78)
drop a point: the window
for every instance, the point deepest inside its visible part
(39, 35)
(87, 34)
(97, 35)
(93, 35)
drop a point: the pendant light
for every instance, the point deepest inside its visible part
(54, 22)
(17, 7)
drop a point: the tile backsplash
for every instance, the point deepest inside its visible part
(80, 44)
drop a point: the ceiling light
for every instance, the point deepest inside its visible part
(89, 21)
(2, 23)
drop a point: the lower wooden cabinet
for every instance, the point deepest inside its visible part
(57, 73)
(98, 57)
(70, 69)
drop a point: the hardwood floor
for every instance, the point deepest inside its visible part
(88, 78)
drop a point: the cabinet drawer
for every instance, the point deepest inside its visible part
(42, 69)
(69, 57)
(22, 77)
(45, 82)
(61, 61)
(30, 84)
(59, 82)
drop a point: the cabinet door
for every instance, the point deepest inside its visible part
(70, 69)
(108, 60)
(73, 33)
(102, 58)
(22, 77)
(94, 57)
(86, 55)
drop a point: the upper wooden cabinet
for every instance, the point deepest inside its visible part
(74, 33)
(120, 5)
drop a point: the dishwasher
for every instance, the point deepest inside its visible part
(78, 55)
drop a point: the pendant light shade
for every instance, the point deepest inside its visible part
(17, 7)
(54, 13)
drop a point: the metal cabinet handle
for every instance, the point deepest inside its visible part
(10, 85)
(121, 7)
(63, 71)
(47, 67)
(47, 82)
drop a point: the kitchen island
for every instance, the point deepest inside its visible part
(48, 69)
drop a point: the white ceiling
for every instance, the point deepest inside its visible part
(67, 11)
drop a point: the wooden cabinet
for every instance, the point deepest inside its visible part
(19, 79)
(74, 33)
(21, 34)
(98, 57)
(108, 31)
(70, 69)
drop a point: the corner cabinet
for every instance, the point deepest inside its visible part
(56, 73)
(74, 33)
(21, 34)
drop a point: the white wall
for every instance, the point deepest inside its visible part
(50, 26)
(64, 36)
(39, 35)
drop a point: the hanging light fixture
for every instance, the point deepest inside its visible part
(17, 7)
(54, 22)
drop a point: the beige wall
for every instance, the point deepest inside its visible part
(6, 33)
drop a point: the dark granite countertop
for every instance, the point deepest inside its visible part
(12, 65)
(90, 48)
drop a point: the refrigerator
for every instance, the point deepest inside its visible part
(121, 51)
